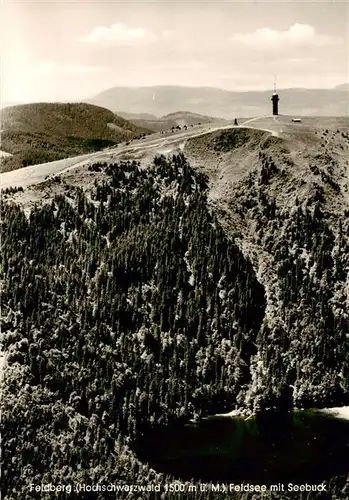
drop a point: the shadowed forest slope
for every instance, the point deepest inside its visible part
(123, 309)
(285, 203)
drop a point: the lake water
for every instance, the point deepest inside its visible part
(303, 447)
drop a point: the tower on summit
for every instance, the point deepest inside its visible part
(275, 99)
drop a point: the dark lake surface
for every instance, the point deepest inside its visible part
(306, 446)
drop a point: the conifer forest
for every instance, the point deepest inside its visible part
(130, 307)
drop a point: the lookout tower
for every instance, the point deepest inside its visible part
(275, 99)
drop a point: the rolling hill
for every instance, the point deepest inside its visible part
(171, 120)
(137, 116)
(42, 132)
(161, 100)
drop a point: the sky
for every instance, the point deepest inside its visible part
(69, 50)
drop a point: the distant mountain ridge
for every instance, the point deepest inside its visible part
(210, 101)
(342, 86)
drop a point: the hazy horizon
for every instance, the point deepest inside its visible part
(86, 98)
(68, 51)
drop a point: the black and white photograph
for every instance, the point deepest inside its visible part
(174, 249)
